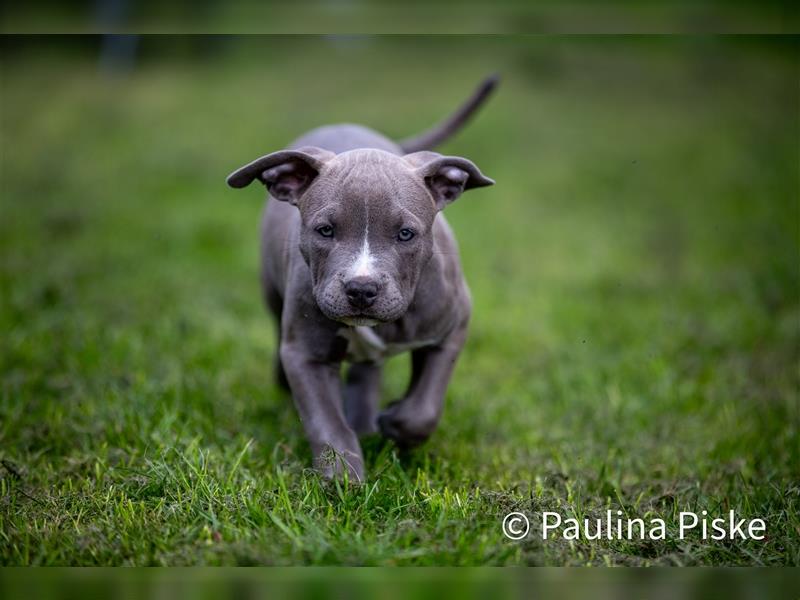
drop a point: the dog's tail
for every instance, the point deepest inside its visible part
(441, 131)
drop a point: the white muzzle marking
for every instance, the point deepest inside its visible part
(362, 266)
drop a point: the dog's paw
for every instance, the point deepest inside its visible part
(339, 465)
(408, 425)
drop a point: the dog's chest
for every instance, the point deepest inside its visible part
(364, 344)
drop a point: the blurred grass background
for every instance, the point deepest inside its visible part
(636, 332)
(401, 16)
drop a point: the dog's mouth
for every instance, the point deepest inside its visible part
(359, 321)
(336, 310)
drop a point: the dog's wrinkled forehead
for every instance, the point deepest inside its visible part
(373, 176)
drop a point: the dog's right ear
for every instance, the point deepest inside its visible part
(287, 173)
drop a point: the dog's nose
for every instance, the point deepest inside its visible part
(361, 292)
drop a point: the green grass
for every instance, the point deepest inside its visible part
(635, 340)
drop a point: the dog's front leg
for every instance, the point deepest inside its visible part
(316, 391)
(412, 420)
(361, 396)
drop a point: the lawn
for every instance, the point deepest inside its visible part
(635, 343)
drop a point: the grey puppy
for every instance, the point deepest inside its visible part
(357, 264)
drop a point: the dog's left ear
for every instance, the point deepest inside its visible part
(446, 177)
(287, 174)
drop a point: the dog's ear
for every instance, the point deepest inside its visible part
(446, 177)
(287, 173)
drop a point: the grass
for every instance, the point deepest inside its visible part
(635, 339)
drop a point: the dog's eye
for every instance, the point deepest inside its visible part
(325, 231)
(405, 234)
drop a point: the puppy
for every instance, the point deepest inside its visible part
(358, 264)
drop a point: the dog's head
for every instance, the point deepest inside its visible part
(367, 218)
